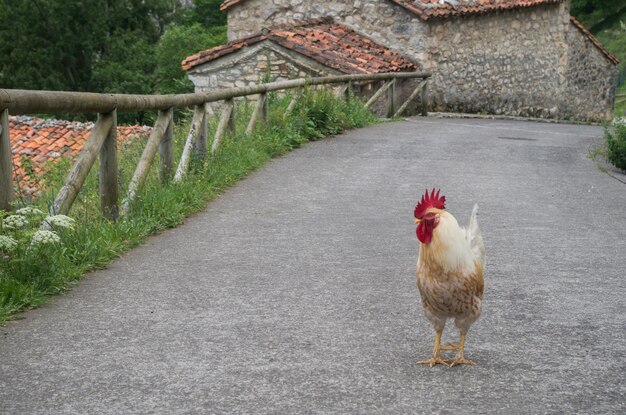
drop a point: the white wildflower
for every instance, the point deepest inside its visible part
(7, 243)
(15, 221)
(619, 121)
(60, 221)
(44, 238)
(29, 211)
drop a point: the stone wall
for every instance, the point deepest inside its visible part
(253, 65)
(504, 63)
(590, 79)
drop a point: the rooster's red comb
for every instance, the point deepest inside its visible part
(432, 200)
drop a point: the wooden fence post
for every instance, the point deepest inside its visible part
(343, 92)
(194, 133)
(75, 179)
(378, 93)
(292, 104)
(418, 88)
(425, 98)
(266, 108)
(391, 97)
(143, 167)
(108, 171)
(201, 142)
(166, 149)
(221, 127)
(232, 122)
(259, 110)
(6, 171)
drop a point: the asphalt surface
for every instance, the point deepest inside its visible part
(295, 291)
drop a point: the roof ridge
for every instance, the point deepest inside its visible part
(301, 23)
(427, 9)
(430, 9)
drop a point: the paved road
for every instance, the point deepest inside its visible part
(295, 291)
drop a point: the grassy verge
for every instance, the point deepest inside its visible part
(36, 265)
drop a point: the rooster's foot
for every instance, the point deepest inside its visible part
(451, 346)
(461, 361)
(435, 360)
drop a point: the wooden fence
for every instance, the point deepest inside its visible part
(619, 98)
(102, 139)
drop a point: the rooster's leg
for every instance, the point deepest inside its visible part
(436, 359)
(459, 359)
(451, 346)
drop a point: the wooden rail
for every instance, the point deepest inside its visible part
(102, 140)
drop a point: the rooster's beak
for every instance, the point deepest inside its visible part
(417, 221)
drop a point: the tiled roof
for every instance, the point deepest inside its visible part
(427, 9)
(40, 141)
(331, 44)
(594, 40)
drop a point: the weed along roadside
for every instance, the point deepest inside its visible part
(38, 262)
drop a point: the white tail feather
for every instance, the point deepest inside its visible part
(475, 237)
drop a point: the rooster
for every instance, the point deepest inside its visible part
(449, 272)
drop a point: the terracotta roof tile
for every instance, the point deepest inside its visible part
(322, 40)
(40, 141)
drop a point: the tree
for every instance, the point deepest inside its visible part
(80, 45)
(597, 14)
(177, 43)
(198, 27)
(204, 12)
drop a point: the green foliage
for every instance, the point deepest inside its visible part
(613, 37)
(597, 14)
(319, 113)
(117, 46)
(206, 13)
(60, 44)
(616, 143)
(26, 281)
(177, 43)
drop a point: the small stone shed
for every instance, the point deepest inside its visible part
(516, 57)
(315, 47)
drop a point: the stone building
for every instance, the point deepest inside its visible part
(517, 57)
(307, 48)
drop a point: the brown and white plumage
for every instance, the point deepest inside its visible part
(449, 272)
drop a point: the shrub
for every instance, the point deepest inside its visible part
(616, 143)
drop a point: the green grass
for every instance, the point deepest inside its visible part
(29, 275)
